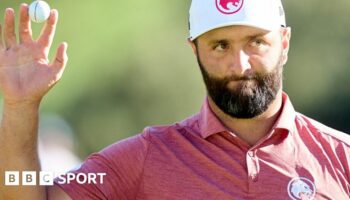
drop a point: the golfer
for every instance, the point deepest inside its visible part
(246, 142)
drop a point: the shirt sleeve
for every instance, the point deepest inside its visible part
(122, 164)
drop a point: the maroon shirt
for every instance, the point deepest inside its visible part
(199, 158)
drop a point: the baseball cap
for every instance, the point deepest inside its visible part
(206, 15)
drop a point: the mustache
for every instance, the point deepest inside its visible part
(248, 77)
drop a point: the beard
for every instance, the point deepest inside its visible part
(251, 96)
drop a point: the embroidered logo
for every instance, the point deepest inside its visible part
(229, 6)
(301, 188)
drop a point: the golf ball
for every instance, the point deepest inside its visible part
(39, 11)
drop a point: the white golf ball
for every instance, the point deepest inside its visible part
(39, 11)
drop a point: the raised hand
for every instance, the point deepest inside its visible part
(26, 74)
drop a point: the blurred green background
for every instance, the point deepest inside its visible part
(130, 66)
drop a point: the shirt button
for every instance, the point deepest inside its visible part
(254, 177)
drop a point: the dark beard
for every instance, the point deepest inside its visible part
(250, 98)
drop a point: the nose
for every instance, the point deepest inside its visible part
(239, 62)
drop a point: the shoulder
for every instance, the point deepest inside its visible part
(140, 143)
(182, 128)
(127, 148)
(323, 130)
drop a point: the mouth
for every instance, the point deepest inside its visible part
(242, 85)
(241, 81)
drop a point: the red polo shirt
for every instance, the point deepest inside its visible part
(199, 158)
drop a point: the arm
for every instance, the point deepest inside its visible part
(25, 77)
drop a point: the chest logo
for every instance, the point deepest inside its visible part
(301, 188)
(229, 6)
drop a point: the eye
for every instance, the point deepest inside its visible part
(221, 46)
(257, 42)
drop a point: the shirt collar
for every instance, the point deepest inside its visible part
(286, 120)
(210, 124)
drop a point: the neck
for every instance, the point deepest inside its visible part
(251, 130)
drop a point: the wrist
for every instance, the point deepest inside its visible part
(14, 111)
(20, 105)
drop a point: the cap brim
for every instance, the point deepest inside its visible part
(196, 35)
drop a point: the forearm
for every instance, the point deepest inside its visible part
(25, 77)
(18, 149)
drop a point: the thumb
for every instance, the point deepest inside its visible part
(61, 58)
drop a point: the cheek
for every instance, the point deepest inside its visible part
(266, 62)
(213, 65)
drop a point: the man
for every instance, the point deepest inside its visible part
(247, 142)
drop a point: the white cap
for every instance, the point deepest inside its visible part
(206, 15)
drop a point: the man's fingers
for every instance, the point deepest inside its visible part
(48, 32)
(25, 30)
(61, 58)
(9, 28)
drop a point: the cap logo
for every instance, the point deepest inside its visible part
(229, 6)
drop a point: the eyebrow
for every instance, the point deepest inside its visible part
(248, 37)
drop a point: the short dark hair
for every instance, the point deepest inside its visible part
(195, 42)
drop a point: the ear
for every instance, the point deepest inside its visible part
(286, 35)
(193, 46)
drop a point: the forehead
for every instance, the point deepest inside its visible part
(236, 33)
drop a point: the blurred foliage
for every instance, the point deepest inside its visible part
(130, 66)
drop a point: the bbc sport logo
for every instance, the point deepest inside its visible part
(29, 178)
